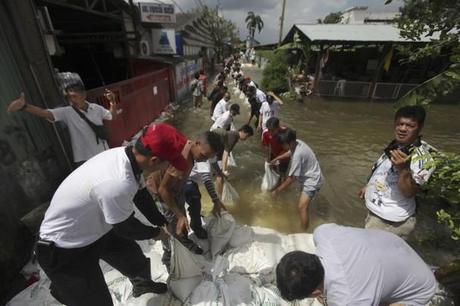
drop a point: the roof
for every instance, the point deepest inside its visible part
(350, 33)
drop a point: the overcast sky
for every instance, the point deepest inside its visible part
(297, 11)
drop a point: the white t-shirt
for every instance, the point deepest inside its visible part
(221, 107)
(267, 111)
(383, 196)
(198, 169)
(224, 121)
(82, 137)
(92, 198)
(261, 96)
(305, 167)
(367, 267)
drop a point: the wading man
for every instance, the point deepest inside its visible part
(305, 169)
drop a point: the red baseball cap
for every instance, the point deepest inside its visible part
(166, 142)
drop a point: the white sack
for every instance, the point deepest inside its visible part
(219, 232)
(229, 194)
(242, 95)
(185, 273)
(242, 234)
(238, 289)
(231, 160)
(270, 178)
(206, 294)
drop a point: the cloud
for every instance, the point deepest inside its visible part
(297, 11)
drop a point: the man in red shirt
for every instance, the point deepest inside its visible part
(277, 156)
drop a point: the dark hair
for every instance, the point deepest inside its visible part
(75, 87)
(272, 123)
(197, 75)
(220, 83)
(225, 88)
(247, 129)
(270, 99)
(235, 107)
(213, 140)
(415, 112)
(298, 274)
(288, 136)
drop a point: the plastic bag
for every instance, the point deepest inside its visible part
(242, 234)
(185, 274)
(229, 194)
(270, 178)
(219, 232)
(231, 160)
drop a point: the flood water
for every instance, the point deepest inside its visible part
(347, 137)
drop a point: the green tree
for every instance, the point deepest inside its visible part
(332, 18)
(222, 31)
(253, 22)
(275, 74)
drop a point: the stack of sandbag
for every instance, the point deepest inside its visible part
(270, 179)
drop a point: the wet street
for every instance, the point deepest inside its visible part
(347, 137)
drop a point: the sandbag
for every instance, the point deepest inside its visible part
(242, 234)
(242, 95)
(219, 232)
(231, 160)
(238, 289)
(229, 194)
(206, 294)
(270, 178)
(185, 273)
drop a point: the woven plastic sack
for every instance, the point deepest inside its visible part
(229, 194)
(242, 95)
(270, 178)
(220, 230)
(185, 273)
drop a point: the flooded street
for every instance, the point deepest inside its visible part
(347, 137)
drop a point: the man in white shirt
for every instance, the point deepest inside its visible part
(226, 119)
(304, 167)
(85, 143)
(356, 267)
(221, 107)
(398, 174)
(91, 217)
(270, 108)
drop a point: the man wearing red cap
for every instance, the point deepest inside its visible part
(91, 217)
(167, 186)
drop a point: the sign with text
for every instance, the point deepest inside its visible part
(157, 12)
(164, 41)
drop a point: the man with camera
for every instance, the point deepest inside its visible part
(397, 175)
(83, 119)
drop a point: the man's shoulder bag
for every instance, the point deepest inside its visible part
(99, 130)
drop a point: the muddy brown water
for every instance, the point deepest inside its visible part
(347, 137)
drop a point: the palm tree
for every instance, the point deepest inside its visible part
(253, 22)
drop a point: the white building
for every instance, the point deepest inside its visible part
(361, 15)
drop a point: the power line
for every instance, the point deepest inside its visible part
(178, 6)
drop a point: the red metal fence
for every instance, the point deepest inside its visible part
(140, 101)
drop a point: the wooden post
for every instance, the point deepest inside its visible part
(317, 69)
(379, 69)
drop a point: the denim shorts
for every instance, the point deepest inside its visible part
(309, 192)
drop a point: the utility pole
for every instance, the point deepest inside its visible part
(281, 23)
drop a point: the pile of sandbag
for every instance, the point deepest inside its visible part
(237, 268)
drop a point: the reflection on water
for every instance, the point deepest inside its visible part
(347, 137)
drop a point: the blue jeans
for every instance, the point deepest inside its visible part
(193, 199)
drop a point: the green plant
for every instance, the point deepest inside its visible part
(276, 72)
(444, 183)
